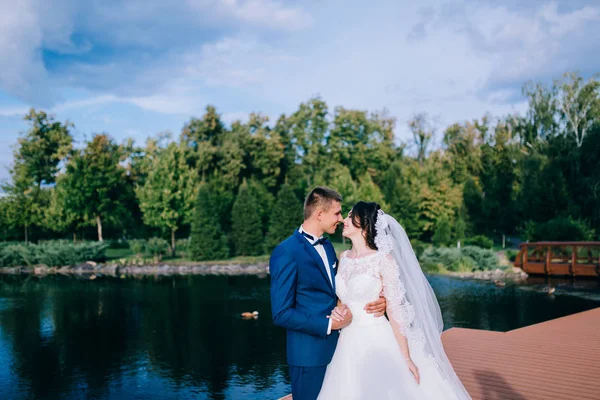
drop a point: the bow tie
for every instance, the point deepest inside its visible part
(320, 240)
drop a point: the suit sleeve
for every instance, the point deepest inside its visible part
(284, 275)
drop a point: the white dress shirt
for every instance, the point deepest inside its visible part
(321, 250)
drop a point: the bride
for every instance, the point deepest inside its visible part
(402, 358)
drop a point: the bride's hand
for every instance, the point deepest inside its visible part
(340, 312)
(414, 370)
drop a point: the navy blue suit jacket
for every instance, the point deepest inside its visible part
(301, 299)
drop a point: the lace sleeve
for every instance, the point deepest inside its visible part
(399, 309)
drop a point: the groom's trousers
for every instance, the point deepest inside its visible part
(306, 382)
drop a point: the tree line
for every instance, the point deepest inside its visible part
(238, 189)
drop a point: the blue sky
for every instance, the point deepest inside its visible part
(139, 67)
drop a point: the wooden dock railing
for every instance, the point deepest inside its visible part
(560, 258)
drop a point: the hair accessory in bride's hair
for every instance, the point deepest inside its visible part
(383, 240)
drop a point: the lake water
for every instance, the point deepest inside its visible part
(182, 337)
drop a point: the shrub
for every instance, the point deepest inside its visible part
(52, 253)
(69, 253)
(182, 245)
(465, 259)
(157, 247)
(444, 257)
(138, 246)
(432, 268)
(16, 254)
(484, 259)
(479, 241)
(462, 264)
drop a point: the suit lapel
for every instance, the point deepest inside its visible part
(331, 257)
(314, 254)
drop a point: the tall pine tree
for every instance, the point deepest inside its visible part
(246, 232)
(286, 215)
(208, 241)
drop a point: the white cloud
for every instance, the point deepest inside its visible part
(231, 117)
(524, 44)
(262, 13)
(21, 35)
(84, 103)
(151, 28)
(17, 111)
(455, 61)
(232, 62)
(235, 61)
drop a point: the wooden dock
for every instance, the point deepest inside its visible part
(557, 359)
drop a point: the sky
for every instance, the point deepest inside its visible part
(136, 68)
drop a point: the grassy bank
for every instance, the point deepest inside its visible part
(127, 255)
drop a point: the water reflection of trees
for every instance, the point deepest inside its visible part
(186, 330)
(482, 305)
(194, 333)
(84, 345)
(78, 338)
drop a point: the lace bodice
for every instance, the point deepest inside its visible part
(360, 281)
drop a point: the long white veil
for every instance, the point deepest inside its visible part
(392, 239)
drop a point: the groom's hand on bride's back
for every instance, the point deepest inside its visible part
(377, 307)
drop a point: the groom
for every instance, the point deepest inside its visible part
(303, 269)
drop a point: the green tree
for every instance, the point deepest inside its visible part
(401, 186)
(211, 148)
(361, 142)
(443, 232)
(339, 177)
(579, 104)
(5, 226)
(500, 181)
(167, 196)
(247, 235)
(542, 118)
(264, 201)
(263, 150)
(36, 159)
(58, 217)
(141, 159)
(286, 215)
(96, 185)
(422, 130)
(23, 206)
(42, 148)
(419, 195)
(460, 228)
(208, 241)
(308, 129)
(463, 147)
(367, 190)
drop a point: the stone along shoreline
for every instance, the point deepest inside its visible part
(93, 270)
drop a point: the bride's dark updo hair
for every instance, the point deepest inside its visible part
(364, 216)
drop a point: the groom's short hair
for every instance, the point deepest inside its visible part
(320, 197)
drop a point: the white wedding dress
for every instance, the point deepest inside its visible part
(368, 362)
